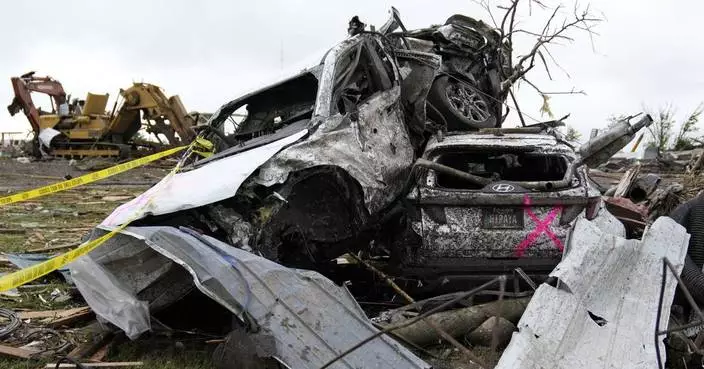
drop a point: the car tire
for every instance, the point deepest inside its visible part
(463, 106)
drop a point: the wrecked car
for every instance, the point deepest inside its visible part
(489, 202)
(303, 167)
(319, 165)
(467, 93)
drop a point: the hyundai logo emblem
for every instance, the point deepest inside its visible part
(503, 187)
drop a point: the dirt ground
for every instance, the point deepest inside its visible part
(57, 223)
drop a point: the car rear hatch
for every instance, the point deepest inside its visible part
(521, 214)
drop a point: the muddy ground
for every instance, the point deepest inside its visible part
(55, 224)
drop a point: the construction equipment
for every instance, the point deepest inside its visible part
(80, 128)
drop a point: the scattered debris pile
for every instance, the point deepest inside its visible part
(338, 225)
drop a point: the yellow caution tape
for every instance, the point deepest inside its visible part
(35, 271)
(20, 277)
(88, 178)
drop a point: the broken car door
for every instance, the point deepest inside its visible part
(367, 92)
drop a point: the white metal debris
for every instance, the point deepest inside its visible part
(310, 318)
(216, 181)
(602, 312)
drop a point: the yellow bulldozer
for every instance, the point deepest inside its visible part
(81, 128)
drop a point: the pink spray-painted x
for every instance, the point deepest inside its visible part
(541, 226)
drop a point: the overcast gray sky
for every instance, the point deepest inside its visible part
(208, 52)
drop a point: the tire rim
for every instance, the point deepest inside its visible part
(467, 101)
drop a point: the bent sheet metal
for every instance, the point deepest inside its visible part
(310, 318)
(602, 313)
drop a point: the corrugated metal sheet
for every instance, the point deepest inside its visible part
(310, 318)
(602, 311)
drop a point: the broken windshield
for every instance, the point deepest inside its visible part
(267, 111)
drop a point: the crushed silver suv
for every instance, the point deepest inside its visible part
(488, 202)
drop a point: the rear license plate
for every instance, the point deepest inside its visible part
(502, 218)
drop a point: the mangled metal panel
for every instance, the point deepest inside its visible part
(602, 310)
(375, 150)
(487, 141)
(310, 318)
(204, 185)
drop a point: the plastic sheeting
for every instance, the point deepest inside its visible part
(105, 294)
(309, 317)
(602, 312)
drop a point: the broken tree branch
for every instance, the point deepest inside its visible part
(420, 317)
(571, 92)
(582, 20)
(446, 336)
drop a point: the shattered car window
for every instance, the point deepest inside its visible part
(497, 165)
(270, 110)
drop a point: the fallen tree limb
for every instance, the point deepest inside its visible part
(394, 327)
(440, 332)
(461, 322)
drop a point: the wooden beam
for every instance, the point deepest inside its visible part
(99, 365)
(17, 352)
(56, 314)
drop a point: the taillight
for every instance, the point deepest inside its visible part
(592, 207)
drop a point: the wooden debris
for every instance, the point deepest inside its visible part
(53, 248)
(102, 352)
(624, 186)
(56, 314)
(498, 326)
(441, 333)
(114, 198)
(97, 338)
(460, 322)
(99, 365)
(71, 319)
(21, 353)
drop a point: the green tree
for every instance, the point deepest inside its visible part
(661, 128)
(684, 139)
(572, 135)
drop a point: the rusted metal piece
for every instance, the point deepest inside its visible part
(635, 217)
(28, 82)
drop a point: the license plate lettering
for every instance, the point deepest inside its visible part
(502, 218)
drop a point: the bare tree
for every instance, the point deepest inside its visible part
(557, 28)
(613, 120)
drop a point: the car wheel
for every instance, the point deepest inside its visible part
(463, 106)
